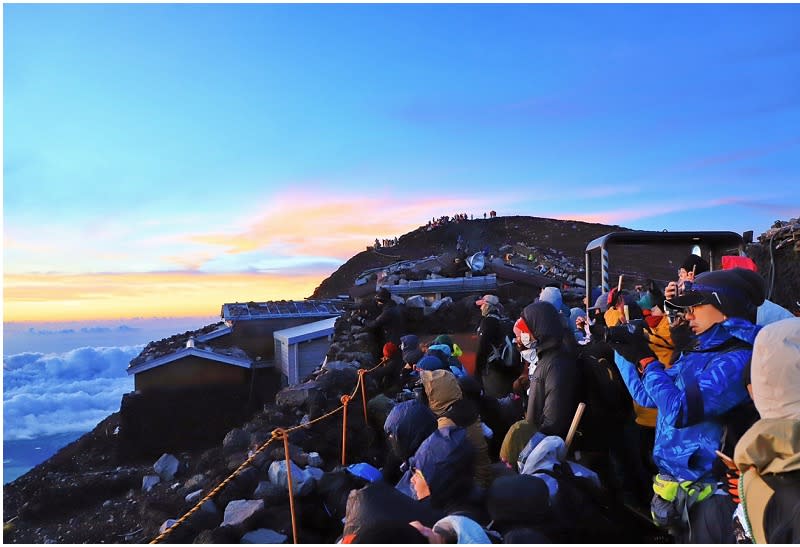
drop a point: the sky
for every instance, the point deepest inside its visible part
(161, 160)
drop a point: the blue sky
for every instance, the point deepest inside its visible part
(164, 159)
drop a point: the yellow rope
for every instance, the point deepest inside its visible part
(276, 433)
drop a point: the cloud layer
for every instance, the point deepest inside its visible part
(46, 394)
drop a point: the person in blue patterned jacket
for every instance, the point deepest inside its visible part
(694, 397)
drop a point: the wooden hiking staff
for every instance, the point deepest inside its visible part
(576, 420)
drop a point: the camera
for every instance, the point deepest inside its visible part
(621, 333)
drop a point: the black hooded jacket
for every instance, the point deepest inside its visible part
(554, 386)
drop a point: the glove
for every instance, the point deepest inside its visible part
(681, 336)
(633, 347)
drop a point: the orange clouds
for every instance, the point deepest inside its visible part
(313, 224)
(41, 297)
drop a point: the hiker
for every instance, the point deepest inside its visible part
(390, 322)
(693, 398)
(442, 472)
(409, 345)
(769, 311)
(448, 404)
(388, 376)
(768, 454)
(497, 415)
(520, 504)
(454, 353)
(551, 372)
(408, 424)
(497, 362)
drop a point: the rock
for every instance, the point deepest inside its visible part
(416, 301)
(314, 459)
(233, 461)
(295, 396)
(195, 481)
(107, 503)
(166, 525)
(340, 365)
(263, 535)
(209, 507)
(443, 303)
(149, 481)
(269, 492)
(194, 496)
(238, 511)
(315, 472)
(236, 440)
(166, 467)
(302, 482)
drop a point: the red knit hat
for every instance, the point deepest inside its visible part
(389, 349)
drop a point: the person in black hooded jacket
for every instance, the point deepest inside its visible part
(553, 373)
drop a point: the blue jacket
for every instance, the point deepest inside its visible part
(702, 385)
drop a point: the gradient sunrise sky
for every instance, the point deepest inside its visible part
(165, 159)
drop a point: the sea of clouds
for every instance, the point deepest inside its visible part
(51, 393)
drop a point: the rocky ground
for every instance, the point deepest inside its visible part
(89, 492)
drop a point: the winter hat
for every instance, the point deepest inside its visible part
(697, 262)
(389, 349)
(490, 299)
(736, 293)
(444, 348)
(444, 339)
(601, 302)
(775, 371)
(430, 362)
(409, 341)
(552, 295)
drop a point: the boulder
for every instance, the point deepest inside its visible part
(149, 481)
(315, 472)
(238, 511)
(269, 492)
(166, 466)
(295, 396)
(416, 301)
(194, 496)
(314, 459)
(236, 440)
(302, 482)
(263, 535)
(340, 365)
(166, 525)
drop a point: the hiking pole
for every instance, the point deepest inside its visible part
(573, 428)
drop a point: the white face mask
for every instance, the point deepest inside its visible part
(527, 340)
(530, 355)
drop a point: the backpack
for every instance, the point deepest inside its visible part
(504, 355)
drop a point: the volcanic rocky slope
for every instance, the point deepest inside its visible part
(91, 493)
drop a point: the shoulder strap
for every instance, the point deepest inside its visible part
(755, 495)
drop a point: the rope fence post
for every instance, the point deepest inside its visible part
(281, 434)
(361, 373)
(345, 401)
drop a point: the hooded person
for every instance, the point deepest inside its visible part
(409, 345)
(552, 372)
(388, 376)
(490, 370)
(446, 401)
(520, 502)
(768, 454)
(442, 469)
(697, 398)
(408, 424)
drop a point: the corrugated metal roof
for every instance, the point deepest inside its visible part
(228, 358)
(446, 284)
(309, 331)
(280, 309)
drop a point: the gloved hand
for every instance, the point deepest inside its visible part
(681, 335)
(632, 346)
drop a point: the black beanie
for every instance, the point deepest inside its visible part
(736, 293)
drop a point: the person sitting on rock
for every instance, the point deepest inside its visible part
(455, 352)
(447, 403)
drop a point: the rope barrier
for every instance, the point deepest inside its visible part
(282, 434)
(277, 434)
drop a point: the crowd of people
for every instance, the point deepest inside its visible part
(458, 217)
(692, 418)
